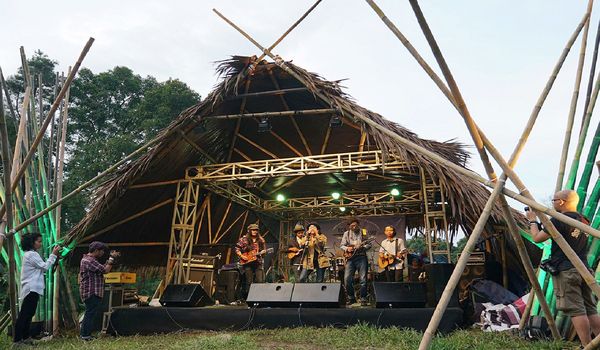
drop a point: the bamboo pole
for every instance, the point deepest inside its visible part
(592, 73)
(272, 114)
(573, 106)
(51, 144)
(456, 94)
(9, 216)
(58, 212)
(47, 120)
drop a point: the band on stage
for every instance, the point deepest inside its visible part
(308, 254)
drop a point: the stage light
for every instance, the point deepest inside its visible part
(336, 195)
(280, 197)
(335, 121)
(395, 192)
(264, 125)
(342, 209)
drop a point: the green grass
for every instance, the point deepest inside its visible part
(357, 337)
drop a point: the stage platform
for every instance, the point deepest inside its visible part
(151, 320)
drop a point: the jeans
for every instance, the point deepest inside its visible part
(253, 272)
(21, 329)
(361, 264)
(93, 305)
(305, 273)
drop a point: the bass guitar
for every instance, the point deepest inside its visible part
(253, 255)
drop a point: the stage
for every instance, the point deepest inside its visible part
(126, 321)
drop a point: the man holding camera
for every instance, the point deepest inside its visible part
(91, 284)
(573, 296)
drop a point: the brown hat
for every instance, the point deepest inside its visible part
(298, 227)
(252, 227)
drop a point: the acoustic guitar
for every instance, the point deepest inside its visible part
(294, 252)
(253, 255)
(386, 259)
(349, 255)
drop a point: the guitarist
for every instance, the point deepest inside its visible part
(252, 243)
(351, 244)
(295, 250)
(391, 252)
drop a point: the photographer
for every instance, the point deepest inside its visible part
(573, 296)
(91, 284)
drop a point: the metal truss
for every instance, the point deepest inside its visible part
(306, 165)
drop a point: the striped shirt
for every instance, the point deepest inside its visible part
(91, 274)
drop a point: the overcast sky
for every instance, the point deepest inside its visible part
(501, 53)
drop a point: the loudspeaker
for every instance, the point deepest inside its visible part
(399, 294)
(185, 295)
(470, 273)
(203, 277)
(437, 279)
(228, 286)
(270, 294)
(329, 295)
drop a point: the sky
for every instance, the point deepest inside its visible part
(501, 53)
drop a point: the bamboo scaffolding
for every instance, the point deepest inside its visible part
(47, 120)
(12, 288)
(573, 106)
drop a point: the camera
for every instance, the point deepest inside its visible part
(548, 266)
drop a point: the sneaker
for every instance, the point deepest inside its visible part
(364, 302)
(350, 302)
(87, 338)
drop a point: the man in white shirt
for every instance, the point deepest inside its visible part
(391, 255)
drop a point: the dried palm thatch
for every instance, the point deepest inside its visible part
(168, 159)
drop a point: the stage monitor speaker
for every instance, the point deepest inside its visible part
(437, 279)
(329, 295)
(399, 294)
(270, 295)
(185, 295)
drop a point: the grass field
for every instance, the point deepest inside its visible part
(357, 337)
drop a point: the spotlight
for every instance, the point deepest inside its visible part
(336, 195)
(264, 125)
(335, 121)
(280, 197)
(342, 209)
(395, 192)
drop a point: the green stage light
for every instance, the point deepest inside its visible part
(336, 195)
(395, 192)
(280, 197)
(342, 209)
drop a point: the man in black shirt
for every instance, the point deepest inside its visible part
(573, 296)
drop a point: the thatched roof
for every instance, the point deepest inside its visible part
(115, 200)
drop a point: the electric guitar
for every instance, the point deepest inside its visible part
(349, 255)
(253, 255)
(386, 259)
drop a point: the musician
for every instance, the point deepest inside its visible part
(351, 241)
(314, 258)
(295, 250)
(252, 242)
(392, 247)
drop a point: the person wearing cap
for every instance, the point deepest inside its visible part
(33, 268)
(255, 244)
(91, 284)
(295, 250)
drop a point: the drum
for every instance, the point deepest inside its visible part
(340, 261)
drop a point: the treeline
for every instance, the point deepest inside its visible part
(110, 114)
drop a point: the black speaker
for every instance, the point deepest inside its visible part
(399, 294)
(437, 279)
(228, 286)
(270, 294)
(185, 295)
(329, 295)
